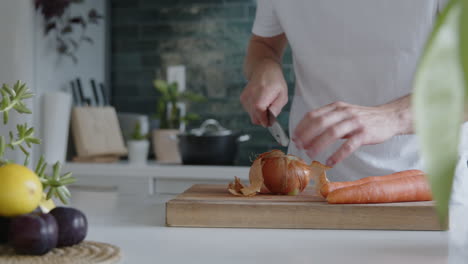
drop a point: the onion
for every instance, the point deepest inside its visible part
(274, 172)
(281, 173)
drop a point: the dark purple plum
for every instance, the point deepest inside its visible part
(33, 234)
(4, 225)
(52, 229)
(72, 225)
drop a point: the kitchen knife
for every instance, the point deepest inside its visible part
(76, 98)
(105, 100)
(276, 130)
(95, 92)
(80, 92)
(85, 101)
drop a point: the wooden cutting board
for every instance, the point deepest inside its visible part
(213, 206)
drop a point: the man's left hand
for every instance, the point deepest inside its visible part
(359, 125)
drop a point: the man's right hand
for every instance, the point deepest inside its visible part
(266, 89)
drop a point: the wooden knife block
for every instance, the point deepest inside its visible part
(97, 134)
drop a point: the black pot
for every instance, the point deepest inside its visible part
(210, 147)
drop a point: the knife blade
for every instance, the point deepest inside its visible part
(276, 130)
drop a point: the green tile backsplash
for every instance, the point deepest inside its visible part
(210, 38)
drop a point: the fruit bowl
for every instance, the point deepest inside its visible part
(87, 252)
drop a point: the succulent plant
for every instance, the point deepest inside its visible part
(13, 99)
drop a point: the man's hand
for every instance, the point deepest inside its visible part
(266, 89)
(359, 125)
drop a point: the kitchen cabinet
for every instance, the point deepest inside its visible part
(153, 179)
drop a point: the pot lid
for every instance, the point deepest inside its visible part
(210, 127)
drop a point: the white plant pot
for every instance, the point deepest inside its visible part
(138, 151)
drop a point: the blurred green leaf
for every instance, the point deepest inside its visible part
(463, 31)
(2, 146)
(21, 108)
(65, 191)
(20, 129)
(68, 181)
(40, 162)
(173, 91)
(19, 88)
(26, 160)
(5, 100)
(189, 117)
(193, 97)
(5, 117)
(161, 86)
(16, 86)
(27, 96)
(29, 132)
(8, 90)
(56, 171)
(26, 153)
(61, 195)
(50, 193)
(33, 140)
(136, 134)
(43, 168)
(438, 105)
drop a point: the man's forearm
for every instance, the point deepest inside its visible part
(400, 109)
(263, 51)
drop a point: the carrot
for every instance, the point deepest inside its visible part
(329, 187)
(402, 189)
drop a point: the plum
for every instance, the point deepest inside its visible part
(52, 229)
(33, 234)
(4, 224)
(72, 225)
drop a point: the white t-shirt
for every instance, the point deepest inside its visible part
(362, 52)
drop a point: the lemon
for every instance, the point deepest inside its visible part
(20, 190)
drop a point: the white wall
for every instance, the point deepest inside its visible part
(54, 72)
(27, 55)
(16, 54)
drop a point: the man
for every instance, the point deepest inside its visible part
(354, 63)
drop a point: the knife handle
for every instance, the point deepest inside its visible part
(95, 92)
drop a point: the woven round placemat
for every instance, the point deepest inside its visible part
(87, 252)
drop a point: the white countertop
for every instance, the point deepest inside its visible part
(136, 225)
(156, 170)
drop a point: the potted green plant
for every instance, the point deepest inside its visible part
(172, 119)
(138, 146)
